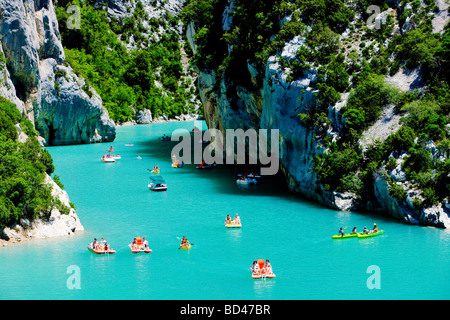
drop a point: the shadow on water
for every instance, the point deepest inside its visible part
(225, 176)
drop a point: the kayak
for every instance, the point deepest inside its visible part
(186, 247)
(99, 251)
(361, 235)
(345, 236)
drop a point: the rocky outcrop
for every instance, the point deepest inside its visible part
(57, 225)
(62, 112)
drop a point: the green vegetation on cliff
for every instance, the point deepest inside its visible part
(353, 58)
(148, 76)
(22, 170)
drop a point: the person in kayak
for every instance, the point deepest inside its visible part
(184, 242)
(341, 232)
(365, 231)
(375, 228)
(354, 230)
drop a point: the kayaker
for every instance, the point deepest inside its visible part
(184, 241)
(375, 228)
(365, 231)
(354, 230)
(341, 232)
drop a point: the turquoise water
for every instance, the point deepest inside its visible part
(113, 201)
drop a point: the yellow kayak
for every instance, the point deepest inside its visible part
(345, 236)
(368, 235)
(186, 247)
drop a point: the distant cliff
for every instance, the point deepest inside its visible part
(336, 101)
(37, 79)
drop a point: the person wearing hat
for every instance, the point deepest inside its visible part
(365, 231)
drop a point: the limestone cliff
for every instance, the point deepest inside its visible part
(62, 112)
(276, 104)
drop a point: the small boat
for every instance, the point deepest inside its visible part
(186, 247)
(129, 145)
(139, 247)
(157, 184)
(203, 165)
(246, 181)
(204, 141)
(368, 235)
(233, 225)
(249, 175)
(262, 274)
(164, 138)
(107, 160)
(100, 250)
(345, 236)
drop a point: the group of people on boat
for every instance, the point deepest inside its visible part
(135, 245)
(101, 246)
(235, 221)
(164, 138)
(365, 230)
(109, 156)
(264, 271)
(177, 163)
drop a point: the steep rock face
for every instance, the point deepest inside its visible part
(66, 114)
(276, 105)
(62, 112)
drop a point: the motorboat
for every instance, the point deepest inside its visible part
(246, 181)
(157, 184)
